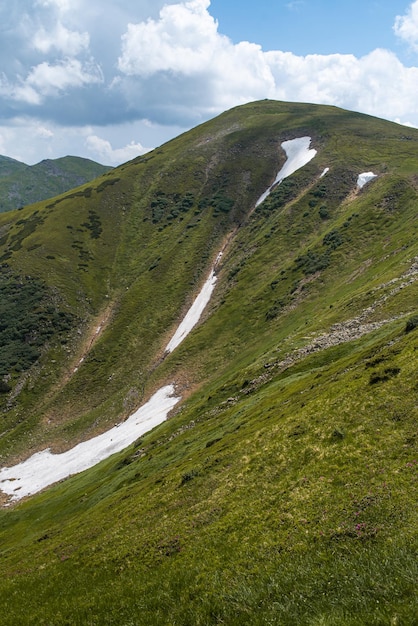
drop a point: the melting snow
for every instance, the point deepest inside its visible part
(298, 154)
(193, 314)
(364, 178)
(44, 468)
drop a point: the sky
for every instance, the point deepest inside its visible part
(111, 79)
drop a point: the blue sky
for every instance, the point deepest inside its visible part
(111, 79)
(313, 26)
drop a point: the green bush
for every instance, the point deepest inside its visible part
(28, 319)
(333, 239)
(313, 262)
(411, 324)
(4, 387)
(323, 212)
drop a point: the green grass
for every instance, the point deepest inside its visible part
(22, 184)
(280, 491)
(297, 509)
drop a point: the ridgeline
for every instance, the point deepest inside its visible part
(283, 487)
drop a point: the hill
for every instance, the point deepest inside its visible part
(22, 184)
(282, 489)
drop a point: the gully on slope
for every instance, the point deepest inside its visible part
(44, 468)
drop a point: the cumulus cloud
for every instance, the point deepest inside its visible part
(184, 39)
(30, 141)
(406, 26)
(46, 80)
(49, 79)
(20, 92)
(183, 47)
(185, 42)
(102, 150)
(377, 83)
(168, 62)
(62, 39)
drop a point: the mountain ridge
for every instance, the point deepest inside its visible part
(22, 184)
(282, 489)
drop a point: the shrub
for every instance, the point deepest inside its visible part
(323, 213)
(94, 225)
(313, 262)
(4, 387)
(28, 319)
(188, 476)
(333, 239)
(411, 324)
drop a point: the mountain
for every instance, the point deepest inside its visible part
(282, 488)
(22, 184)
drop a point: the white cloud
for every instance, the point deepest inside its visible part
(37, 138)
(20, 91)
(409, 124)
(68, 42)
(74, 64)
(28, 140)
(406, 26)
(43, 132)
(61, 5)
(377, 83)
(184, 39)
(49, 79)
(183, 45)
(102, 150)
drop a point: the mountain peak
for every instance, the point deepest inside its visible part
(231, 317)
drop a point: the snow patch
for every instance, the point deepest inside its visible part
(44, 468)
(298, 154)
(193, 314)
(326, 170)
(365, 178)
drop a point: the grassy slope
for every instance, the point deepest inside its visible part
(151, 255)
(22, 184)
(282, 492)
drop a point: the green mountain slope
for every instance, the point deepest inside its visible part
(22, 184)
(283, 488)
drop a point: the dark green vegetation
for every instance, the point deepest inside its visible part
(283, 490)
(28, 320)
(22, 184)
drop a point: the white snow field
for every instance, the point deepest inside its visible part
(298, 154)
(44, 468)
(193, 314)
(365, 178)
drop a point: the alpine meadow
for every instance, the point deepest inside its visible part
(273, 476)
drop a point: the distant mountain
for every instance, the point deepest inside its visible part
(22, 184)
(282, 489)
